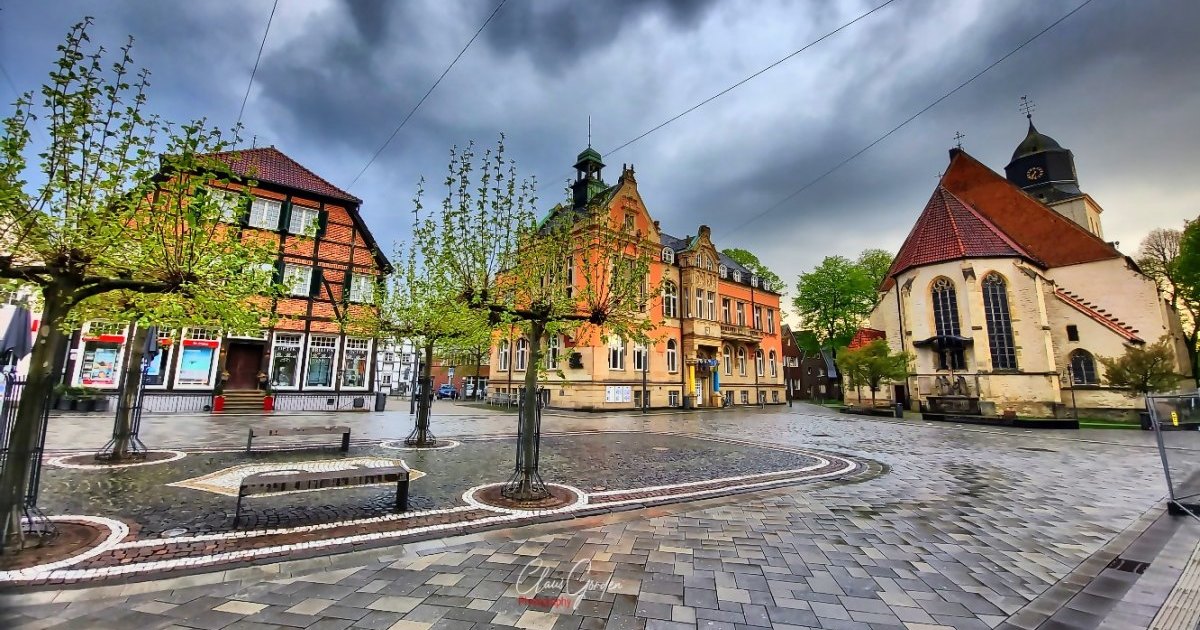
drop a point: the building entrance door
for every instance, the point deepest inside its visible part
(243, 363)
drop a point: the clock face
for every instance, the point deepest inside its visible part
(1035, 173)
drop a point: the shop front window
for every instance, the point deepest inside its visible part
(197, 356)
(285, 360)
(321, 355)
(354, 374)
(156, 371)
(100, 361)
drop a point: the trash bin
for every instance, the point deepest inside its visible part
(380, 401)
(899, 410)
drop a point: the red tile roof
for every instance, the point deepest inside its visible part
(1043, 233)
(865, 336)
(269, 164)
(1098, 314)
(949, 229)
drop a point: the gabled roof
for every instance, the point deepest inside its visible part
(865, 336)
(1044, 234)
(1101, 316)
(269, 164)
(949, 229)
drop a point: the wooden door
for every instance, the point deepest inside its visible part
(243, 363)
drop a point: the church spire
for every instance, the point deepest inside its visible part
(588, 181)
(1040, 165)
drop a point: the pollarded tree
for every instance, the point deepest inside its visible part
(102, 212)
(576, 272)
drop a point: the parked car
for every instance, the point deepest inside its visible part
(469, 391)
(447, 391)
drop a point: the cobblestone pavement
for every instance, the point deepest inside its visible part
(965, 528)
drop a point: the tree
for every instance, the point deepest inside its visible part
(833, 299)
(1172, 259)
(875, 263)
(116, 204)
(751, 262)
(576, 272)
(1143, 369)
(874, 364)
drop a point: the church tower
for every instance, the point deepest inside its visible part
(1043, 168)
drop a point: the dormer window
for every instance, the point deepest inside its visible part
(668, 255)
(753, 280)
(723, 271)
(737, 276)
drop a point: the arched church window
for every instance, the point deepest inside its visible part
(945, 322)
(999, 322)
(1083, 368)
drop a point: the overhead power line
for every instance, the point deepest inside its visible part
(749, 78)
(743, 223)
(427, 93)
(261, 45)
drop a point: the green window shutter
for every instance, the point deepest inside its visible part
(347, 282)
(244, 210)
(316, 282)
(322, 222)
(277, 277)
(285, 216)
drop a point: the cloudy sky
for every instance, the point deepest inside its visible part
(1116, 83)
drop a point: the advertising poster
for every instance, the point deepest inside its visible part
(195, 365)
(99, 367)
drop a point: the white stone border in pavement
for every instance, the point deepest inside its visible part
(581, 499)
(61, 461)
(398, 445)
(56, 570)
(116, 532)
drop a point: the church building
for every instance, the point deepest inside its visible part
(1007, 294)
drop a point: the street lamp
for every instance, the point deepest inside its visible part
(1070, 374)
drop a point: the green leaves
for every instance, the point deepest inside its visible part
(873, 364)
(1143, 369)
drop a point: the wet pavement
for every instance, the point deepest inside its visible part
(967, 526)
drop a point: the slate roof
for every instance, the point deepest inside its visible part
(270, 165)
(680, 244)
(949, 229)
(1044, 234)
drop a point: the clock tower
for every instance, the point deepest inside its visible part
(1045, 170)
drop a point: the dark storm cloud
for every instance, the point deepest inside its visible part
(556, 35)
(1115, 83)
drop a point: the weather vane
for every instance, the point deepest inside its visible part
(1027, 107)
(958, 136)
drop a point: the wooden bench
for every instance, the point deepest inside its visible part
(285, 481)
(281, 431)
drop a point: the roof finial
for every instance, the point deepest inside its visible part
(958, 136)
(1027, 106)
(254, 141)
(589, 131)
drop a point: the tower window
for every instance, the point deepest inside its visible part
(1072, 332)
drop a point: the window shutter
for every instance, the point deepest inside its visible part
(347, 284)
(277, 276)
(322, 221)
(285, 216)
(316, 282)
(244, 216)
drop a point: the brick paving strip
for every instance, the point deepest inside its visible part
(126, 559)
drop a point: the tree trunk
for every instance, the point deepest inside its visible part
(527, 487)
(44, 367)
(422, 436)
(1191, 340)
(131, 384)
(478, 369)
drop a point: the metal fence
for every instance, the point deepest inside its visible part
(170, 402)
(320, 401)
(1175, 419)
(14, 387)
